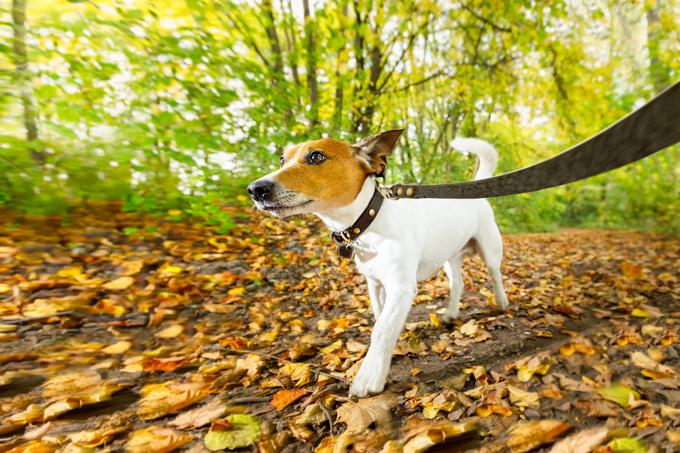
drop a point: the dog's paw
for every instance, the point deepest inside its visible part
(367, 382)
(450, 317)
(502, 303)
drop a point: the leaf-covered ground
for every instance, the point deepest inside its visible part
(119, 331)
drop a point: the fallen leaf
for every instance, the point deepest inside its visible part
(201, 416)
(118, 347)
(300, 373)
(284, 398)
(470, 328)
(242, 432)
(526, 436)
(627, 445)
(34, 446)
(97, 437)
(170, 331)
(47, 307)
(582, 442)
(156, 439)
(359, 415)
(119, 283)
(429, 434)
(619, 394)
(522, 398)
(168, 397)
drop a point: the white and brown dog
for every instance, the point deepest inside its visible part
(406, 242)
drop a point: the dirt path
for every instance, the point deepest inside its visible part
(126, 332)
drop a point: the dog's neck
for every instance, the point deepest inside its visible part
(339, 219)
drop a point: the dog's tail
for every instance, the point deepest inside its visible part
(488, 156)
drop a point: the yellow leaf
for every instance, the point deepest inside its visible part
(335, 346)
(119, 283)
(527, 371)
(69, 383)
(300, 373)
(236, 291)
(359, 415)
(432, 408)
(639, 313)
(35, 446)
(524, 437)
(47, 307)
(426, 435)
(70, 272)
(243, 431)
(523, 398)
(118, 347)
(168, 397)
(94, 438)
(470, 328)
(170, 331)
(156, 439)
(174, 212)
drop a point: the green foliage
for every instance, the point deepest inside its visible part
(179, 106)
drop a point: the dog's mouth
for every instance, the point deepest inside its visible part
(280, 209)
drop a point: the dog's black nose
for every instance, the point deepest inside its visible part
(261, 189)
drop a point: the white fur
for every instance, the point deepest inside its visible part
(488, 157)
(408, 242)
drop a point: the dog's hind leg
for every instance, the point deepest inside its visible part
(376, 292)
(453, 273)
(490, 247)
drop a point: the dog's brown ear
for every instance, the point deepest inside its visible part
(375, 150)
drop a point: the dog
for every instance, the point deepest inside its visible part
(408, 240)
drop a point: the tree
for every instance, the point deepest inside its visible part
(23, 80)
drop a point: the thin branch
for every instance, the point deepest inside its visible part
(486, 21)
(434, 75)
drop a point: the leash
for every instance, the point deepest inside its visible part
(651, 128)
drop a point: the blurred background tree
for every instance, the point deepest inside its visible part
(177, 103)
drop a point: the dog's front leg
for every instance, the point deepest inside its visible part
(373, 371)
(376, 293)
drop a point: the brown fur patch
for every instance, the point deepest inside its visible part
(334, 183)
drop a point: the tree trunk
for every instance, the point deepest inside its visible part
(23, 77)
(339, 80)
(290, 32)
(658, 73)
(275, 46)
(357, 82)
(312, 84)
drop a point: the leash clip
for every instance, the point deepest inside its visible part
(387, 192)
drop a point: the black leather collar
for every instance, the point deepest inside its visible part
(345, 239)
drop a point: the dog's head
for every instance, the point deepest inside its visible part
(319, 175)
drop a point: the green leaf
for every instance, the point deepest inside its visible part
(618, 393)
(245, 429)
(627, 445)
(130, 230)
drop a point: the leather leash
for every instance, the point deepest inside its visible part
(651, 128)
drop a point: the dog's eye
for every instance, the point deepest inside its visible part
(281, 160)
(316, 158)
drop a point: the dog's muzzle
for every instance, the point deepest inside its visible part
(261, 190)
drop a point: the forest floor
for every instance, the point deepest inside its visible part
(121, 331)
